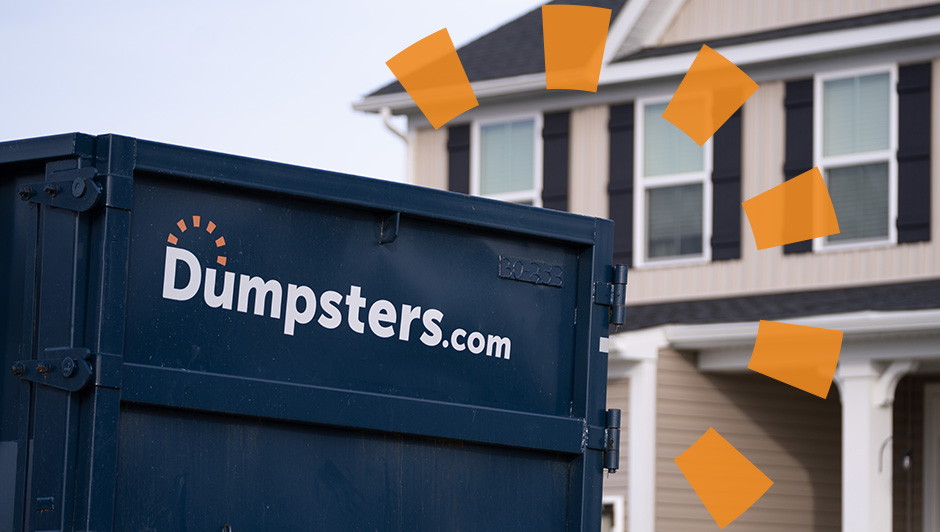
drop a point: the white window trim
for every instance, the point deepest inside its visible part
(642, 184)
(931, 474)
(838, 161)
(617, 502)
(533, 195)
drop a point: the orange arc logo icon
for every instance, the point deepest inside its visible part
(210, 228)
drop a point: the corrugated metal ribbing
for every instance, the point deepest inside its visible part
(704, 19)
(792, 436)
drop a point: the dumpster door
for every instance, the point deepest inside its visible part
(73, 262)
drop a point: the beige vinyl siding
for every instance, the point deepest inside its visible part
(762, 169)
(618, 396)
(700, 20)
(792, 436)
(588, 149)
(770, 270)
(428, 158)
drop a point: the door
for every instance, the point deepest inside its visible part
(61, 401)
(932, 457)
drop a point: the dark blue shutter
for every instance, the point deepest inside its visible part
(798, 105)
(555, 161)
(914, 153)
(726, 190)
(458, 159)
(620, 186)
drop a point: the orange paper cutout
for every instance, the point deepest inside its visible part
(803, 357)
(799, 209)
(433, 75)
(574, 45)
(711, 91)
(726, 482)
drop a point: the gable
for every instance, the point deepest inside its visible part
(701, 20)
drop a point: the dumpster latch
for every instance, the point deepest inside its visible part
(613, 294)
(606, 439)
(389, 229)
(75, 190)
(71, 369)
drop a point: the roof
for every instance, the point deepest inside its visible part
(790, 31)
(901, 296)
(487, 57)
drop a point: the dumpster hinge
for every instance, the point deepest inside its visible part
(606, 439)
(71, 369)
(613, 294)
(74, 190)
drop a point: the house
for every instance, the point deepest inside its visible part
(849, 86)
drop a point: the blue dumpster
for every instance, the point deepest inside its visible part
(205, 342)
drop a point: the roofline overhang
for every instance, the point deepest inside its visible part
(651, 68)
(852, 324)
(726, 347)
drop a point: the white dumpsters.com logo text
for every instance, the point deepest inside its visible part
(299, 305)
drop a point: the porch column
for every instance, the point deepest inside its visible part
(641, 515)
(867, 389)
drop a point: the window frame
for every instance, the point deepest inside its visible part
(641, 184)
(533, 195)
(619, 506)
(888, 154)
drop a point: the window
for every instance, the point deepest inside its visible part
(507, 160)
(673, 191)
(855, 140)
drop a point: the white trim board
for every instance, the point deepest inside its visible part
(711, 336)
(869, 335)
(634, 354)
(778, 49)
(622, 27)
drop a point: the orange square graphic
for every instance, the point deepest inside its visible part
(711, 91)
(726, 482)
(799, 209)
(433, 75)
(575, 37)
(803, 357)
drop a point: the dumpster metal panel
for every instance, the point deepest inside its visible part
(222, 470)
(277, 347)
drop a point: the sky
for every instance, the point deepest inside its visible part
(274, 80)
